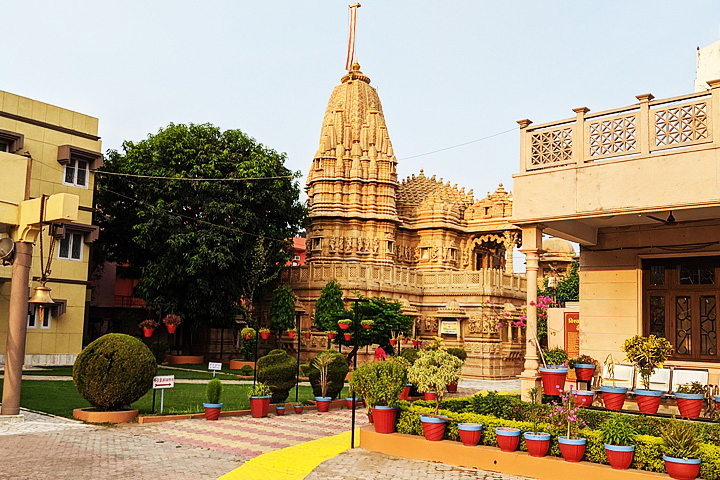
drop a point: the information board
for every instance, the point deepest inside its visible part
(449, 327)
(167, 381)
(572, 334)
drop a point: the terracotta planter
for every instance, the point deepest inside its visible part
(347, 336)
(212, 410)
(452, 388)
(148, 332)
(171, 327)
(91, 415)
(584, 371)
(584, 398)
(682, 469)
(367, 327)
(323, 403)
(689, 404)
(384, 418)
(349, 401)
(429, 396)
(259, 406)
(405, 392)
(433, 428)
(553, 379)
(291, 333)
(344, 326)
(572, 449)
(331, 335)
(648, 401)
(507, 438)
(298, 409)
(470, 433)
(537, 443)
(613, 397)
(280, 410)
(265, 335)
(620, 456)
(393, 342)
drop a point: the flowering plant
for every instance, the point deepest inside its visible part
(172, 319)
(542, 304)
(566, 413)
(149, 323)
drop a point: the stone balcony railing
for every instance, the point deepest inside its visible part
(649, 128)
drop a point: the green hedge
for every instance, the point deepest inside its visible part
(648, 448)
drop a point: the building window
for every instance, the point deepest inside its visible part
(680, 299)
(3, 146)
(70, 246)
(77, 163)
(76, 173)
(296, 257)
(34, 318)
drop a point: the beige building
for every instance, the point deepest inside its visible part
(422, 241)
(45, 151)
(638, 187)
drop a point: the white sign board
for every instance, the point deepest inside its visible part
(449, 327)
(167, 381)
(214, 366)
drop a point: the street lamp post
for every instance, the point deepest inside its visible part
(357, 351)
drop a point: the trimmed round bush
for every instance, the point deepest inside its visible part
(277, 370)
(410, 354)
(337, 371)
(114, 371)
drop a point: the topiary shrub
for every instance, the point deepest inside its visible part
(213, 391)
(114, 371)
(246, 371)
(337, 371)
(277, 369)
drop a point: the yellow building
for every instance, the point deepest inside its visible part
(46, 150)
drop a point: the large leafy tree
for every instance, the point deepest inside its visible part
(282, 308)
(212, 230)
(330, 307)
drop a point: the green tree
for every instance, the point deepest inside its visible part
(282, 308)
(200, 247)
(330, 307)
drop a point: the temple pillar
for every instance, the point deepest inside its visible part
(531, 247)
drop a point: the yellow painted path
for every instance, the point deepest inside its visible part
(292, 463)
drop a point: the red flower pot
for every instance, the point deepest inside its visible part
(279, 410)
(584, 398)
(259, 406)
(689, 404)
(171, 327)
(265, 335)
(405, 393)
(416, 343)
(323, 403)
(553, 379)
(507, 438)
(384, 419)
(248, 336)
(331, 335)
(537, 443)
(433, 428)
(347, 336)
(406, 340)
(682, 469)
(344, 326)
(584, 372)
(392, 342)
(452, 388)
(348, 402)
(367, 327)
(291, 333)
(212, 410)
(620, 456)
(572, 449)
(298, 409)
(470, 433)
(613, 397)
(648, 401)
(429, 396)
(307, 335)
(148, 332)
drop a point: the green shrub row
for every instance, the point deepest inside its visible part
(648, 448)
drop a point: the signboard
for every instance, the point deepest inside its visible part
(167, 381)
(572, 334)
(214, 366)
(449, 327)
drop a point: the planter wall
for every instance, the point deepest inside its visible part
(186, 359)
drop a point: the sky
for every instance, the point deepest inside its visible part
(448, 73)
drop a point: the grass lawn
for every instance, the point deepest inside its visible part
(199, 372)
(60, 397)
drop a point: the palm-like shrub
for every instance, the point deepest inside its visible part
(336, 372)
(277, 370)
(114, 371)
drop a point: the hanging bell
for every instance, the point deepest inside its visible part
(41, 296)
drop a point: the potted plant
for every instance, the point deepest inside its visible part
(307, 334)
(433, 371)
(148, 327)
(416, 342)
(347, 336)
(584, 366)
(171, 322)
(291, 333)
(280, 410)
(566, 416)
(647, 354)
(259, 396)
(264, 333)
(349, 399)
(322, 363)
(681, 450)
(690, 399)
(367, 324)
(462, 355)
(330, 335)
(247, 333)
(618, 435)
(298, 408)
(213, 391)
(554, 371)
(612, 395)
(470, 433)
(381, 383)
(344, 323)
(508, 438)
(537, 442)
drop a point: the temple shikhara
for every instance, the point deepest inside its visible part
(444, 255)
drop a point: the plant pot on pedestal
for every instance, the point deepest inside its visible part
(553, 379)
(259, 406)
(613, 397)
(584, 371)
(648, 401)
(508, 438)
(537, 443)
(433, 427)
(470, 433)
(429, 396)
(572, 449)
(619, 456)
(682, 468)
(384, 418)
(584, 398)
(323, 403)
(689, 404)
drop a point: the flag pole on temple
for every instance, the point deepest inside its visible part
(351, 39)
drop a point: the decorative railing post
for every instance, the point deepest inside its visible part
(579, 135)
(715, 109)
(645, 132)
(524, 155)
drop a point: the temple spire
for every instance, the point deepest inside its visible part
(351, 39)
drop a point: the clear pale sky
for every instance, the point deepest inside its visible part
(447, 72)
